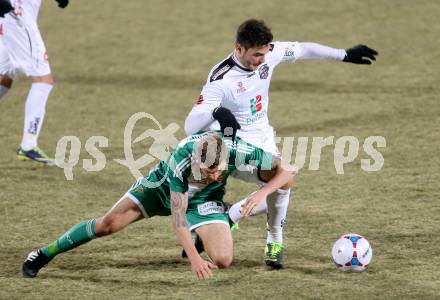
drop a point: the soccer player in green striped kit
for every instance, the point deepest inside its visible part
(205, 160)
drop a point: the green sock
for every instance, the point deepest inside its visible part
(79, 234)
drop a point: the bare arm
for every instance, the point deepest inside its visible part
(281, 178)
(179, 205)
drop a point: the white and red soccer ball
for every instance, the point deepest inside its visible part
(352, 252)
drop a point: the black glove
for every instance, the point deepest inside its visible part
(359, 53)
(5, 7)
(62, 3)
(228, 123)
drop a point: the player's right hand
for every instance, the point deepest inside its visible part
(62, 3)
(202, 268)
(5, 7)
(252, 202)
(227, 121)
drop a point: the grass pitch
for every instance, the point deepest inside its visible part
(112, 59)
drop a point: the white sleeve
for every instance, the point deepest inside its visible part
(293, 51)
(200, 117)
(318, 51)
(283, 51)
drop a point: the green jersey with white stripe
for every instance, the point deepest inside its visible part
(176, 173)
(181, 164)
(205, 197)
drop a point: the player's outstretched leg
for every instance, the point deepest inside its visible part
(123, 213)
(79, 234)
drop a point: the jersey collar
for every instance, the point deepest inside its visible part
(238, 64)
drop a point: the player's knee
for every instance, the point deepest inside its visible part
(222, 260)
(105, 226)
(48, 79)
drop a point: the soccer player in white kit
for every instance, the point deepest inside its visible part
(239, 85)
(22, 50)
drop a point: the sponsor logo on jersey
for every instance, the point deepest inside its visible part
(256, 104)
(263, 71)
(240, 88)
(256, 117)
(250, 74)
(220, 72)
(210, 207)
(289, 52)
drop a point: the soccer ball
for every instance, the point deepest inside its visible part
(352, 252)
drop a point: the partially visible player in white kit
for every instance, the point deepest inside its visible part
(239, 86)
(22, 50)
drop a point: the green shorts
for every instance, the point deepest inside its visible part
(156, 202)
(206, 213)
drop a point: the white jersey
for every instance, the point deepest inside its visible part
(246, 92)
(29, 8)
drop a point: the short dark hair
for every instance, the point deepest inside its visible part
(253, 33)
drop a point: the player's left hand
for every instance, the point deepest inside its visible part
(5, 7)
(359, 54)
(228, 122)
(252, 202)
(62, 3)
